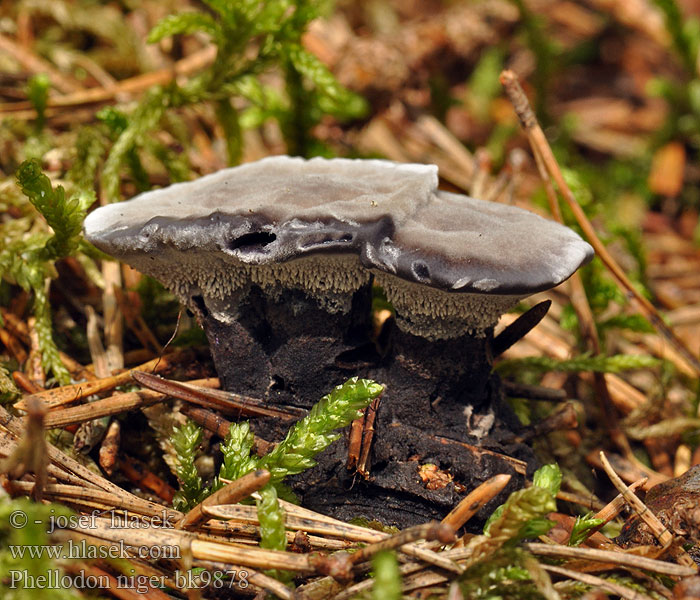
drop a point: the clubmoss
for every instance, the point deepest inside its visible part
(496, 563)
(186, 441)
(585, 362)
(307, 438)
(25, 550)
(28, 260)
(251, 38)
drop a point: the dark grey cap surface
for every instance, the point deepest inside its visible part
(272, 210)
(458, 243)
(389, 214)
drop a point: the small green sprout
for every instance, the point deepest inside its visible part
(186, 440)
(387, 579)
(582, 529)
(38, 94)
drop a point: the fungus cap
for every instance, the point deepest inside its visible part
(278, 222)
(322, 226)
(459, 263)
(461, 244)
(275, 209)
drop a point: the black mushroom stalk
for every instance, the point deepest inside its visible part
(277, 259)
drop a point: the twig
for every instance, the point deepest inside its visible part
(135, 322)
(615, 506)
(354, 532)
(26, 384)
(441, 532)
(35, 64)
(614, 557)
(193, 62)
(19, 329)
(34, 364)
(114, 585)
(74, 470)
(101, 408)
(198, 547)
(97, 351)
(218, 399)
(546, 163)
(642, 16)
(109, 448)
(106, 501)
(626, 397)
(482, 168)
(229, 494)
(29, 455)
(368, 436)
(628, 471)
(113, 318)
(258, 579)
(656, 527)
(455, 554)
(475, 500)
(298, 519)
(355, 440)
(445, 140)
(563, 417)
(589, 502)
(91, 432)
(11, 342)
(529, 123)
(598, 583)
(77, 391)
(519, 328)
(518, 465)
(517, 389)
(140, 476)
(220, 426)
(303, 519)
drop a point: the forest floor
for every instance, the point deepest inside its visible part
(605, 385)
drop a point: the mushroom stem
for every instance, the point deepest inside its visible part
(446, 385)
(441, 403)
(440, 360)
(285, 347)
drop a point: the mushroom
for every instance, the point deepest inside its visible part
(277, 259)
(451, 271)
(268, 256)
(459, 263)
